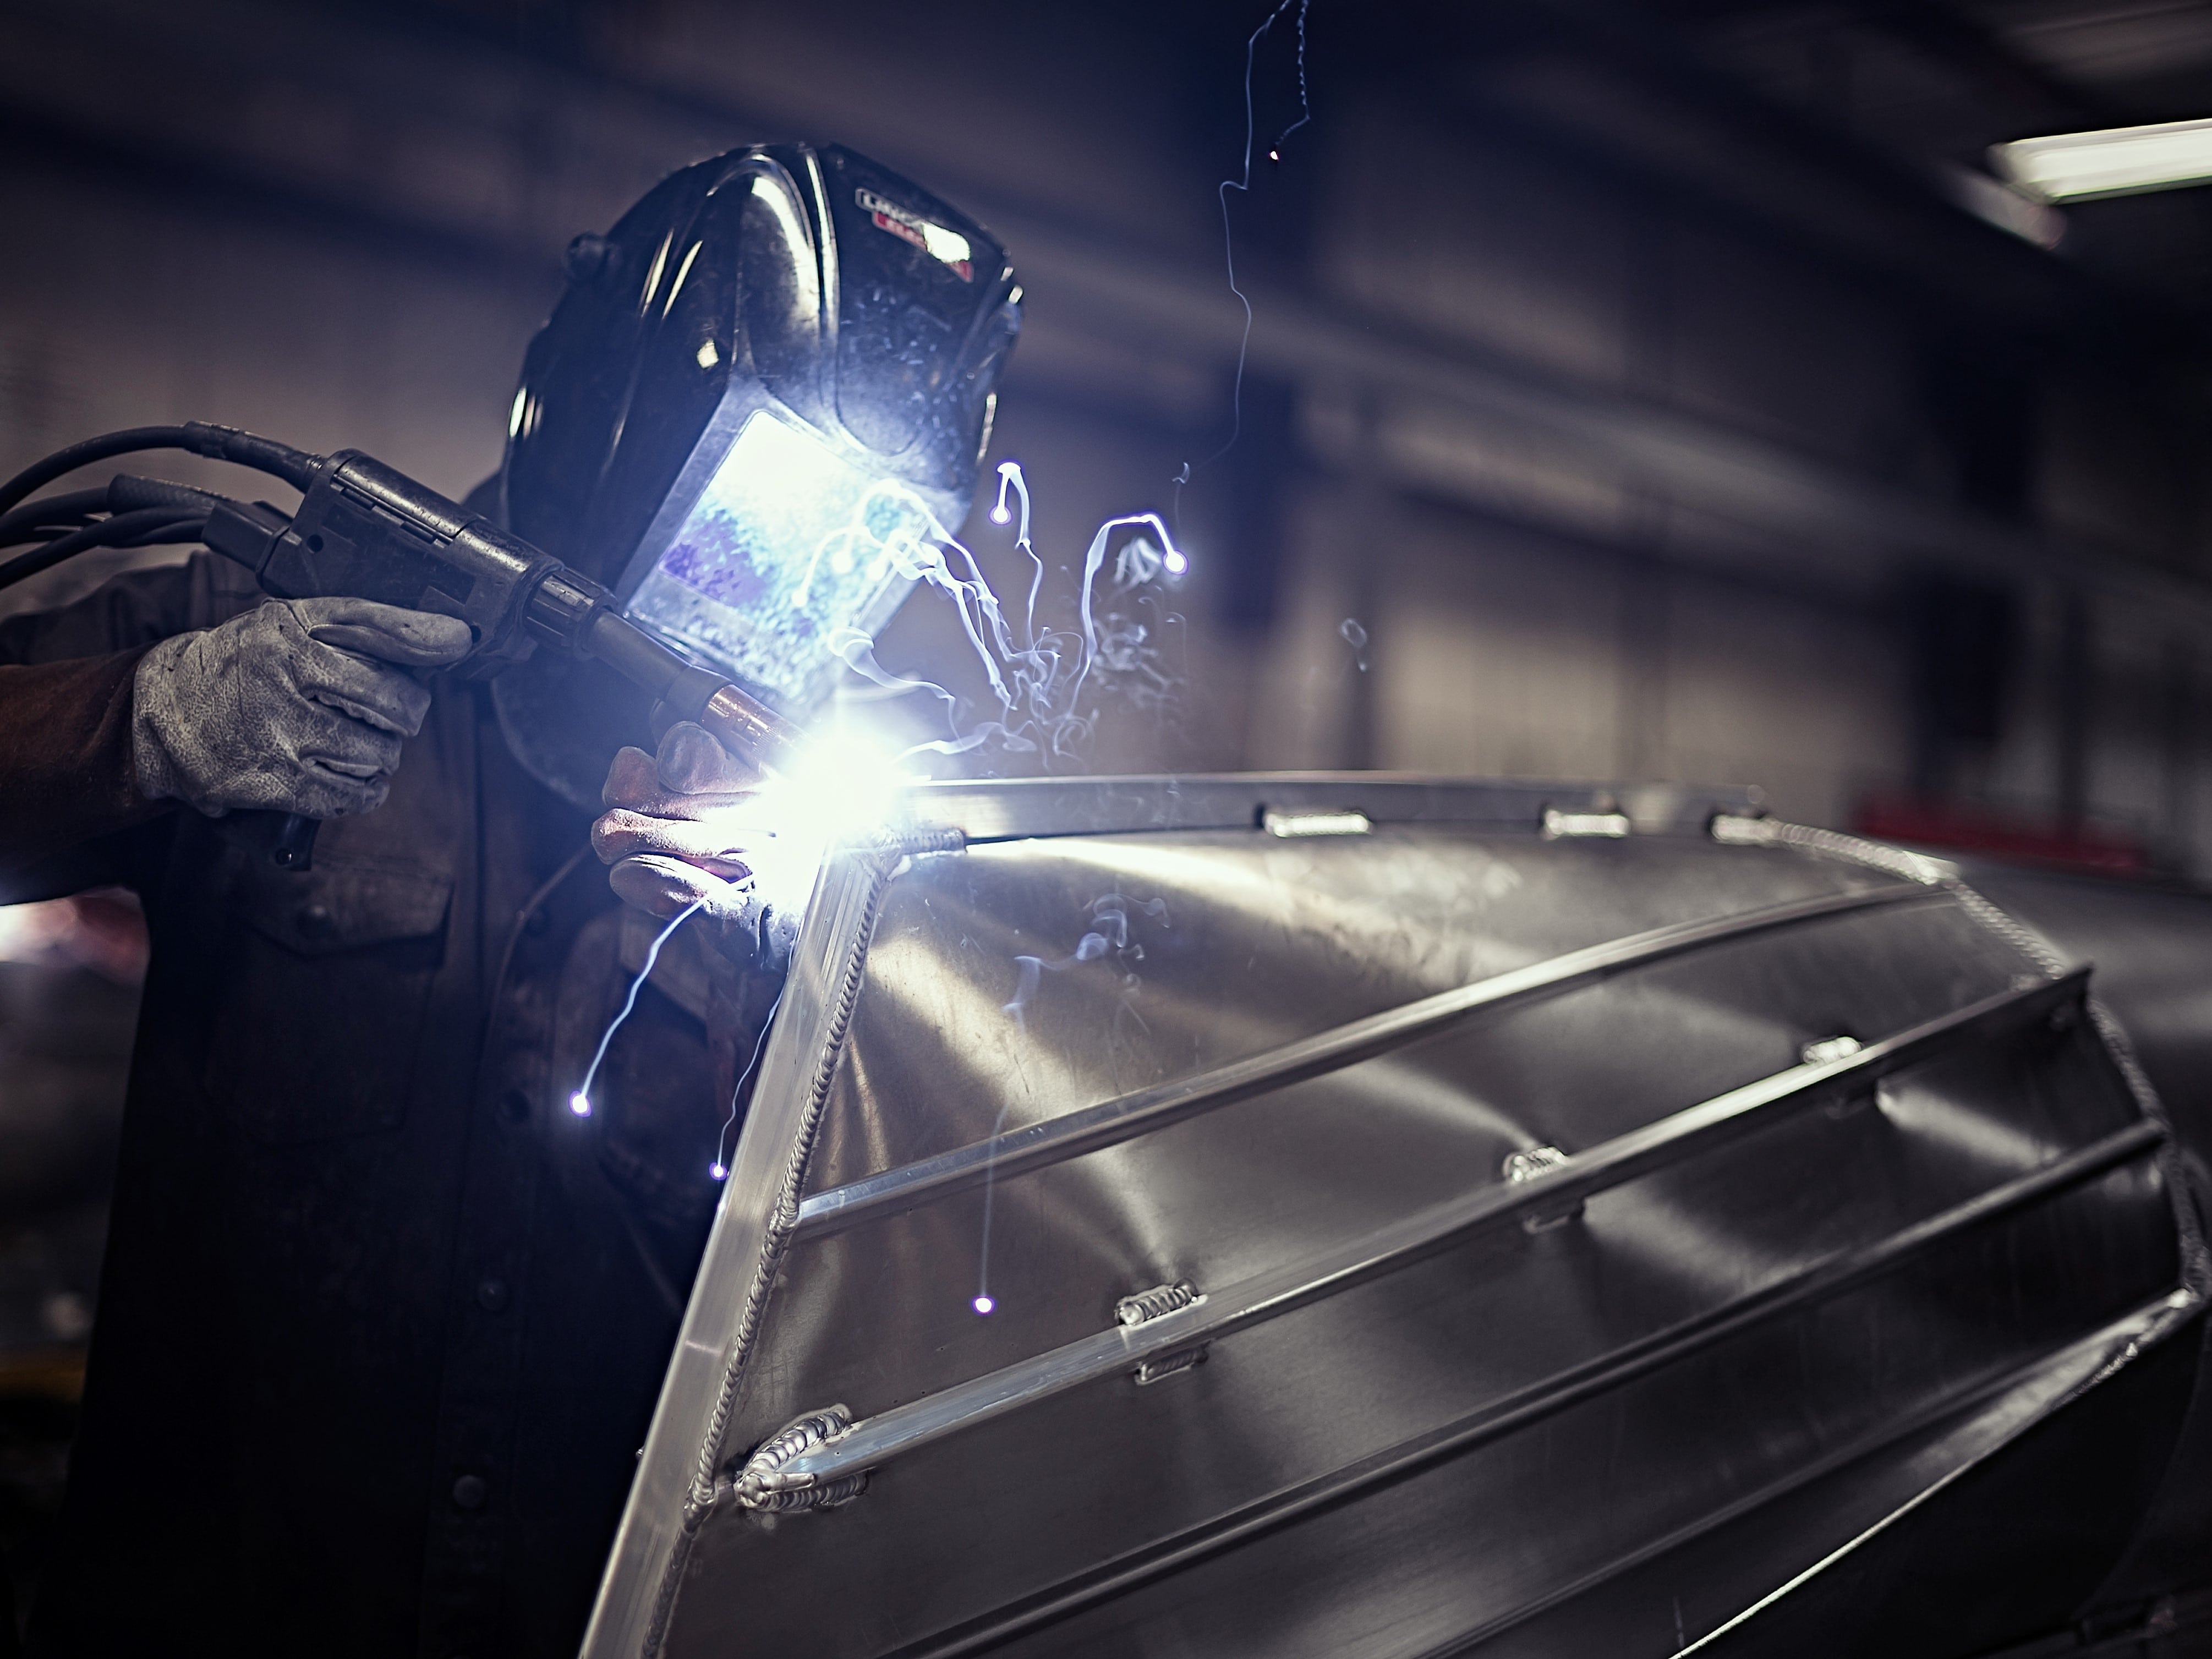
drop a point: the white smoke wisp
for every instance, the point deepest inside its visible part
(1044, 686)
(1044, 683)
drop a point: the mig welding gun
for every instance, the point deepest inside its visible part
(366, 531)
(779, 364)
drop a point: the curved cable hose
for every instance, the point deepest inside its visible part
(221, 443)
(55, 515)
(58, 514)
(147, 527)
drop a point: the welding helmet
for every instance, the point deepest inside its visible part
(777, 368)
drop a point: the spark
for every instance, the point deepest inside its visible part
(580, 1102)
(1109, 932)
(983, 1303)
(1244, 184)
(719, 1169)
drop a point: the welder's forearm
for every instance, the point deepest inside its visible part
(65, 771)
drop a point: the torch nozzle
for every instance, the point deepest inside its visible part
(741, 723)
(749, 729)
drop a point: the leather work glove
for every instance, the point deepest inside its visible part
(298, 706)
(669, 838)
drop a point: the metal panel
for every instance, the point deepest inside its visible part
(1517, 1205)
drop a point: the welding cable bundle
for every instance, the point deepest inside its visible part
(128, 512)
(364, 530)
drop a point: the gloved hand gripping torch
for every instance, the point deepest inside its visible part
(795, 346)
(368, 530)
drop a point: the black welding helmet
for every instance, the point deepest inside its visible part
(775, 373)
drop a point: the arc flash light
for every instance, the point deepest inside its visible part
(779, 367)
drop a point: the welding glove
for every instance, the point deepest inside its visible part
(668, 834)
(299, 706)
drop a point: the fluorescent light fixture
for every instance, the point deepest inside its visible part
(2073, 167)
(2008, 207)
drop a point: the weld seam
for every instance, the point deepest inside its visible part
(882, 857)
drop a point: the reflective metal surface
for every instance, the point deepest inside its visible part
(1506, 1205)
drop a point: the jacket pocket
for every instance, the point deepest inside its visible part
(331, 972)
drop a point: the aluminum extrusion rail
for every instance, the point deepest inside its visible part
(1669, 1140)
(1288, 1505)
(1057, 1140)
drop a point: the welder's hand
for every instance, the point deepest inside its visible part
(669, 834)
(299, 706)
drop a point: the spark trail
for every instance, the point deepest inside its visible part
(1243, 185)
(580, 1102)
(1108, 934)
(720, 1167)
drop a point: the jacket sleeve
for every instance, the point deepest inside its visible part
(65, 685)
(65, 773)
(131, 612)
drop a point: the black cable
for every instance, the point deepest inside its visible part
(117, 530)
(176, 532)
(57, 513)
(125, 493)
(121, 494)
(223, 443)
(42, 473)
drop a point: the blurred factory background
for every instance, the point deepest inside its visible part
(1655, 392)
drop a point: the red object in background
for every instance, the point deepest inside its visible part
(1963, 829)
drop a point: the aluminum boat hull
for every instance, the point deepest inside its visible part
(1348, 1215)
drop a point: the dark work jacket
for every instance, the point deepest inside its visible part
(382, 1322)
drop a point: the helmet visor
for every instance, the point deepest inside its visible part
(786, 555)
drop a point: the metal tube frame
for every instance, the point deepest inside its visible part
(873, 1441)
(1071, 1134)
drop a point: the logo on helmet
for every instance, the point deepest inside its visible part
(948, 248)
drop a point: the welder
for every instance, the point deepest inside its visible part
(382, 1320)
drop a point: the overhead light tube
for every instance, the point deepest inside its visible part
(2074, 167)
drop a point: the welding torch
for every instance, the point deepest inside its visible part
(367, 530)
